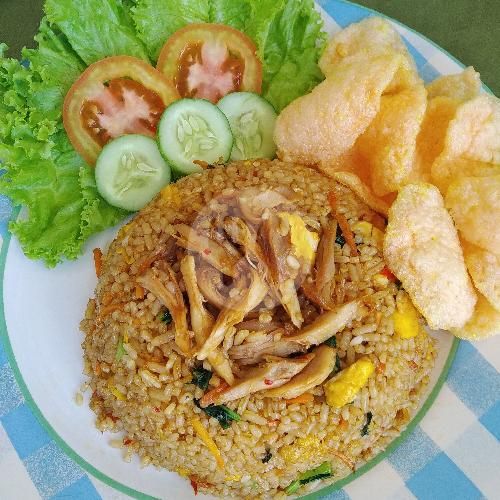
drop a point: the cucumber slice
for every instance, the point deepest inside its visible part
(130, 171)
(194, 129)
(252, 121)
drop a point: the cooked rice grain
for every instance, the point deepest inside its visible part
(155, 406)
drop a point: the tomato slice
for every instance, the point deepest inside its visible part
(208, 61)
(115, 96)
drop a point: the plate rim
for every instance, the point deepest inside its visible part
(109, 481)
(98, 474)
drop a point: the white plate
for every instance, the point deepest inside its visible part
(43, 309)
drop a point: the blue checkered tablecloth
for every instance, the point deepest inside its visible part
(454, 453)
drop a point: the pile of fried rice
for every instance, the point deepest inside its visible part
(245, 330)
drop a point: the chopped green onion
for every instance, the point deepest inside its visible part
(292, 487)
(222, 413)
(166, 317)
(120, 351)
(332, 341)
(201, 377)
(364, 430)
(322, 471)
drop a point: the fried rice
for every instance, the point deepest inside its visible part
(141, 380)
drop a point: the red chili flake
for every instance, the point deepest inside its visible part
(194, 485)
(268, 382)
(388, 274)
(156, 409)
(112, 417)
(207, 251)
(128, 441)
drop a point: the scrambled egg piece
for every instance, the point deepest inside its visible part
(302, 449)
(367, 230)
(342, 388)
(304, 242)
(405, 318)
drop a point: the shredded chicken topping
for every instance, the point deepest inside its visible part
(250, 286)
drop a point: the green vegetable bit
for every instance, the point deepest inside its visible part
(201, 377)
(43, 173)
(322, 471)
(166, 317)
(222, 413)
(339, 237)
(332, 341)
(120, 351)
(288, 34)
(292, 487)
(365, 429)
(336, 368)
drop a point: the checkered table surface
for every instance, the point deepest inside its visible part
(454, 453)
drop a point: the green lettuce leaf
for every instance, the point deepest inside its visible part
(96, 28)
(41, 171)
(234, 14)
(97, 214)
(157, 20)
(291, 51)
(288, 35)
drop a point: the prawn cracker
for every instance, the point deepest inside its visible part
(431, 138)
(462, 86)
(322, 126)
(422, 249)
(370, 37)
(474, 204)
(485, 322)
(472, 143)
(484, 268)
(389, 143)
(355, 184)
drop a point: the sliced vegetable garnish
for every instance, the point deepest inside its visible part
(201, 377)
(388, 274)
(97, 253)
(115, 96)
(222, 413)
(194, 129)
(322, 471)
(208, 441)
(252, 121)
(365, 429)
(208, 61)
(130, 171)
(307, 397)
